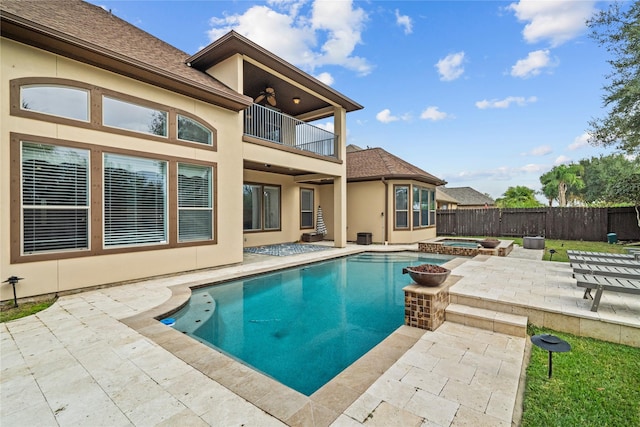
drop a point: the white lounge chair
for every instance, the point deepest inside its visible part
(607, 270)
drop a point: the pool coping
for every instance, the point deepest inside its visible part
(289, 406)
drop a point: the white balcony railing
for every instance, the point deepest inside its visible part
(271, 125)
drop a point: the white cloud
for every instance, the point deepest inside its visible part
(405, 22)
(432, 113)
(533, 64)
(328, 126)
(580, 142)
(450, 67)
(562, 160)
(325, 78)
(324, 33)
(557, 21)
(542, 150)
(501, 173)
(385, 116)
(505, 103)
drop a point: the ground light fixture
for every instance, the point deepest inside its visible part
(551, 252)
(552, 344)
(13, 280)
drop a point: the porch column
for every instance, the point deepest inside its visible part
(340, 182)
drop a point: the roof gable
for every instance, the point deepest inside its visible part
(376, 163)
(92, 35)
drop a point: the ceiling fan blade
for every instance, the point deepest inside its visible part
(258, 99)
(271, 100)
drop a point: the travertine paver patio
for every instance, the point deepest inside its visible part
(76, 363)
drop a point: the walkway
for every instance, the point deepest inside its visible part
(78, 363)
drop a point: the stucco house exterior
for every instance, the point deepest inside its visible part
(122, 157)
(445, 201)
(388, 197)
(468, 198)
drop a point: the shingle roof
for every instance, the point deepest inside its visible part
(93, 35)
(467, 196)
(376, 163)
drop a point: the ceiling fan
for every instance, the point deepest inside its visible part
(269, 94)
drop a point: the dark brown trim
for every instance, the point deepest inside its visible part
(396, 177)
(96, 238)
(96, 95)
(282, 147)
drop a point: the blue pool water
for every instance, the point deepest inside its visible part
(303, 326)
(460, 244)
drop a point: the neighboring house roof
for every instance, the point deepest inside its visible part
(375, 163)
(467, 196)
(92, 35)
(441, 196)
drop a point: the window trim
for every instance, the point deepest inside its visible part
(96, 111)
(407, 210)
(313, 197)
(96, 237)
(262, 228)
(430, 208)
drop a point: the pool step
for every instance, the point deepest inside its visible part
(495, 321)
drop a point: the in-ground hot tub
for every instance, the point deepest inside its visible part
(463, 247)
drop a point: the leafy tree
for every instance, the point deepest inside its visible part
(563, 177)
(518, 197)
(627, 189)
(549, 188)
(619, 31)
(601, 172)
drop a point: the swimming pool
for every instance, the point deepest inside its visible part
(303, 326)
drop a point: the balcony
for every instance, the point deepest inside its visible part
(270, 125)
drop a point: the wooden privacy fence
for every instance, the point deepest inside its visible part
(591, 224)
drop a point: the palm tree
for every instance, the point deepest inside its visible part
(562, 177)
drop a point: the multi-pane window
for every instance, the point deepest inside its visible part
(421, 199)
(195, 203)
(191, 130)
(401, 206)
(135, 201)
(261, 207)
(55, 198)
(432, 207)
(61, 101)
(306, 208)
(126, 115)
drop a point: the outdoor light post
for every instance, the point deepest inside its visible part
(552, 344)
(14, 280)
(551, 252)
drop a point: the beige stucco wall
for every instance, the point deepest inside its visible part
(290, 209)
(365, 205)
(19, 60)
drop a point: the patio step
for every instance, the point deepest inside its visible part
(495, 321)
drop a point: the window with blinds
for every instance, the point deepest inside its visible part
(135, 201)
(55, 198)
(195, 203)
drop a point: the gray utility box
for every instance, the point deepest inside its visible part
(533, 242)
(364, 238)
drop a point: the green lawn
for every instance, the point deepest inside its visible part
(9, 312)
(597, 383)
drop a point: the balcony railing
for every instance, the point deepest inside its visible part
(271, 125)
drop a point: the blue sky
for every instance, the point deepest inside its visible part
(486, 94)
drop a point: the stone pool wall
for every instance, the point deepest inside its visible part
(436, 247)
(424, 307)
